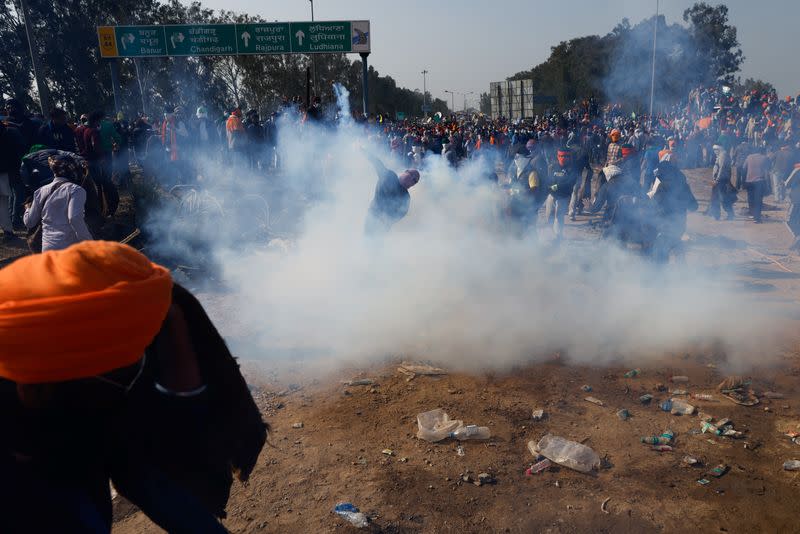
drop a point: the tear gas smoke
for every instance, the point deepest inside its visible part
(447, 283)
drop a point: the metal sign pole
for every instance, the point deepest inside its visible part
(365, 82)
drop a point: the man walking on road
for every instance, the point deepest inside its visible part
(755, 182)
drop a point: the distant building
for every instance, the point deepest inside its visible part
(512, 99)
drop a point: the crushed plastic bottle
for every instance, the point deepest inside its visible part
(791, 465)
(666, 405)
(679, 379)
(436, 425)
(350, 512)
(568, 453)
(662, 448)
(632, 373)
(681, 407)
(646, 398)
(471, 432)
(703, 397)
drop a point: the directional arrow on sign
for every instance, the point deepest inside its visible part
(176, 37)
(246, 39)
(300, 36)
(126, 39)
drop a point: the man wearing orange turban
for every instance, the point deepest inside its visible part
(104, 370)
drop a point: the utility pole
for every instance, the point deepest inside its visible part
(41, 84)
(653, 73)
(465, 98)
(313, 59)
(452, 100)
(424, 93)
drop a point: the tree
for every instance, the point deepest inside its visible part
(716, 47)
(760, 86)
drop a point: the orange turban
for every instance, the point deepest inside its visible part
(79, 312)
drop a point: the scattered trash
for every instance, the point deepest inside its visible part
(594, 401)
(471, 432)
(297, 425)
(436, 425)
(663, 439)
(723, 427)
(403, 459)
(773, 395)
(690, 460)
(646, 398)
(350, 512)
(661, 387)
(532, 447)
(736, 389)
(681, 407)
(413, 370)
(662, 448)
(538, 415)
(703, 482)
(718, 471)
(359, 382)
(679, 392)
(568, 453)
(586, 388)
(538, 467)
(624, 414)
(766, 409)
(666, 405)
(460, 451)
(679, 379)
(603, 506)
(791, 465)
(704, 397)
(387, 452)
(484, 478)
(632, 373)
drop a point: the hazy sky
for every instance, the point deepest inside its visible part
(467, 44)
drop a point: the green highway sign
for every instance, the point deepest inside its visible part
(270, 38)
(352, 36)
(308, 37)
(201, 40)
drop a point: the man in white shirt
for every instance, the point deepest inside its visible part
(59, 207)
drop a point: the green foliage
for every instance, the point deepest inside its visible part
(617, 67)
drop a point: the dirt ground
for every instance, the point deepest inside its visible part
(337, 454)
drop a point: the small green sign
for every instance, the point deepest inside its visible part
(271, 38)
(201, 39)
(141, 41)
(321, 37)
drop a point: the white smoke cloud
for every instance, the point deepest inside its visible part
(447, 283)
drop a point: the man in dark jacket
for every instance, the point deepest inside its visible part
(563, 178)
(114, 373)
(673, 199)
(56, 134)
(391, 200)
(12, 147)
(19, 118)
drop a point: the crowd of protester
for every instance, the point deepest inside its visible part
(581, 159)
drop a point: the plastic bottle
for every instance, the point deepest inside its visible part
(632, 373)
(679, 379)
(471, 432)
(792, 465)
(663, 439)
(350, 512)
(703, 396)
(568, 453)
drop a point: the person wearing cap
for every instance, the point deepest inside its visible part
(391, 200)
(561, 183)
(722, 190)
(59, 206)
(110, 372)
